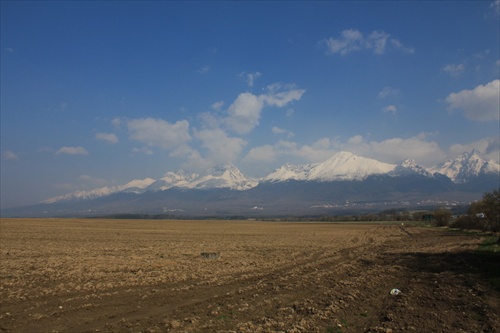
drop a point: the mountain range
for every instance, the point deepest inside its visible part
(290, 189)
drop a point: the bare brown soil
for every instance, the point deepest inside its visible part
(63, 275)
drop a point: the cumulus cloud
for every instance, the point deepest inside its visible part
(268, 154)
(217, 105)
(395, 150)
(221, 148)
(277, 130)
(72, 151)
(351, 40)
(262, 154)
(392, 150)
(480, 104)
(10, 155)
(453, 70)
(489, 148)
(244, 113)
(107, 137)
(158, 132)
(390, 109)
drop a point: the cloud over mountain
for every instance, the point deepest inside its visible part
(480, 104)
(158, 132)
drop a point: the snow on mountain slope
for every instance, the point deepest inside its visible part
(171, 179)
(341, 166)
(289, 172)
(347, 166)
(227, 176)
(466, 166)
(410, 167)
(136, 186)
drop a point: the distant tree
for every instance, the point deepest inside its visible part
(442, 217)
(483, 214)
(491, 208)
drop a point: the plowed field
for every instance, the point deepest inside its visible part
(65, 275)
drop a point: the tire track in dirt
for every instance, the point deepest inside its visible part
(342, 286)
(263, 283)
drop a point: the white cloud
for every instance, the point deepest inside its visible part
(116, 122)
(349, 41)
(262, 154)
(143, 150)
(399, 46)
(489, 148)
(72, 151)
(355, 140)
(353, 40)
(10, 156)
(390, 109)
(453, 70)
(244, 113)
(250, 77)
(193, 159)
(377, 41)
(158, 132)
(277, 130)
(107, 137)
(282, 98)
(388, 92)
(220, 147)
(316, 152)
(480, 104)
(395, 150)
(217, 105)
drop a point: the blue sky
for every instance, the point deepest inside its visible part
(100, 93)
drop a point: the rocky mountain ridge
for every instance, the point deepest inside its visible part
(343, 166)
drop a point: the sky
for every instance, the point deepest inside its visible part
(97, 93)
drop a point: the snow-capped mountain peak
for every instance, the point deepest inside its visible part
(466, 166)
(347, 166)
(289, 172)
(179, 178)
(341, 166)
(135, 186)
(226, 176)
(409, 167)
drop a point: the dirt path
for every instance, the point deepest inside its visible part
(270, 278)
